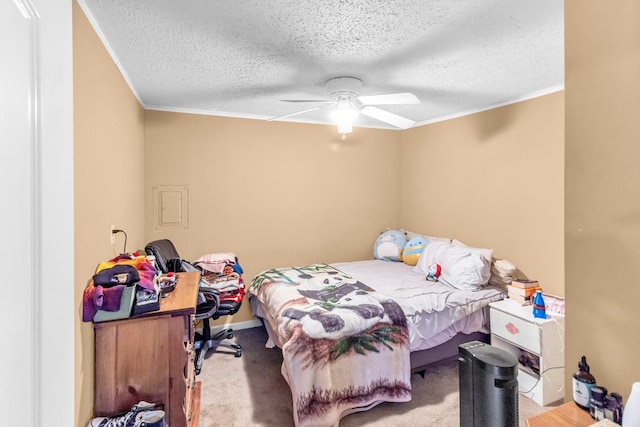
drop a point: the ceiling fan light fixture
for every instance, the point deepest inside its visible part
(346, 104)
(344, 114)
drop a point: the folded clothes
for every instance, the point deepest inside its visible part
(96, 298)
(224, 257)
(146, 270)
(119, 274)
(502, 272)
(215, 263)
(104, 291)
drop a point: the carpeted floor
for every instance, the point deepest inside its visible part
(250, 391)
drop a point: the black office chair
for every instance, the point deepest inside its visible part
(205, 342)
(209, 305)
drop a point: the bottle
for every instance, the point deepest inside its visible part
(538, 306)
(597, 402)
(619, 407)
(613, 407)
(582, 383)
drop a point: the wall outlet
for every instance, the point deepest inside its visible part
(112, 235)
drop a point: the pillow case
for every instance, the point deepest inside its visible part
(487, 254)
(461, 267)
(389, 245)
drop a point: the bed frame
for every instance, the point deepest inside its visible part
(421, 359)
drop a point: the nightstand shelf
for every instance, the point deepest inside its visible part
(514, 329)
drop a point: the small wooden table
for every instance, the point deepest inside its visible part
(567, 414)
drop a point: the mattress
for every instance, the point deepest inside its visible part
(435, 312)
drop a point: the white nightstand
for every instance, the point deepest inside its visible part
(514, 329)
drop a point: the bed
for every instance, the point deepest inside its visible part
(352, 333)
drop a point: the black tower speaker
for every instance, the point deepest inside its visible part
(488, 386)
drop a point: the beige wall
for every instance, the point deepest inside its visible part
(494, 180)
(275, 194)
(109, 180)
(602, 197)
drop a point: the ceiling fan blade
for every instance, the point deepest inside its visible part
(319, 101)
(387, 117)
(390, 98)
(294, 114)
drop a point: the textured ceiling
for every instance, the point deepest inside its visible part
(241, 58)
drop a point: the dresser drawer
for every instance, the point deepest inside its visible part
(520, 332)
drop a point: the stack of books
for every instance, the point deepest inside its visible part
(522, 290)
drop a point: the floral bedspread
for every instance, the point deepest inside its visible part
(345, 346)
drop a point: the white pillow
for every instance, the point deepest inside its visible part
(486, 253)
(431, 254)
(462, 267)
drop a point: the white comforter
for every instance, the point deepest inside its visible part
(435, 312)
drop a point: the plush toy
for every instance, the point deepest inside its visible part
(389, 245)
(413, 249)
(433, 272)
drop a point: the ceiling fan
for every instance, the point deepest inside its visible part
(345, 104)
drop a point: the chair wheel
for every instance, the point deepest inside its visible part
(230, 335)
(238, 353)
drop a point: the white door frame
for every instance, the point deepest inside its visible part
(36, 173)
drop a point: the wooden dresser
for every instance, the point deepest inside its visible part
(151, 357)
(568, 414)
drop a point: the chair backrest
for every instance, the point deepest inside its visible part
(167, 258)
(164, 251)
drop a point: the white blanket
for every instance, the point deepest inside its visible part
(431, 308)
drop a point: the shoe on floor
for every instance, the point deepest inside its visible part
(150, 419)
(142, 414)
